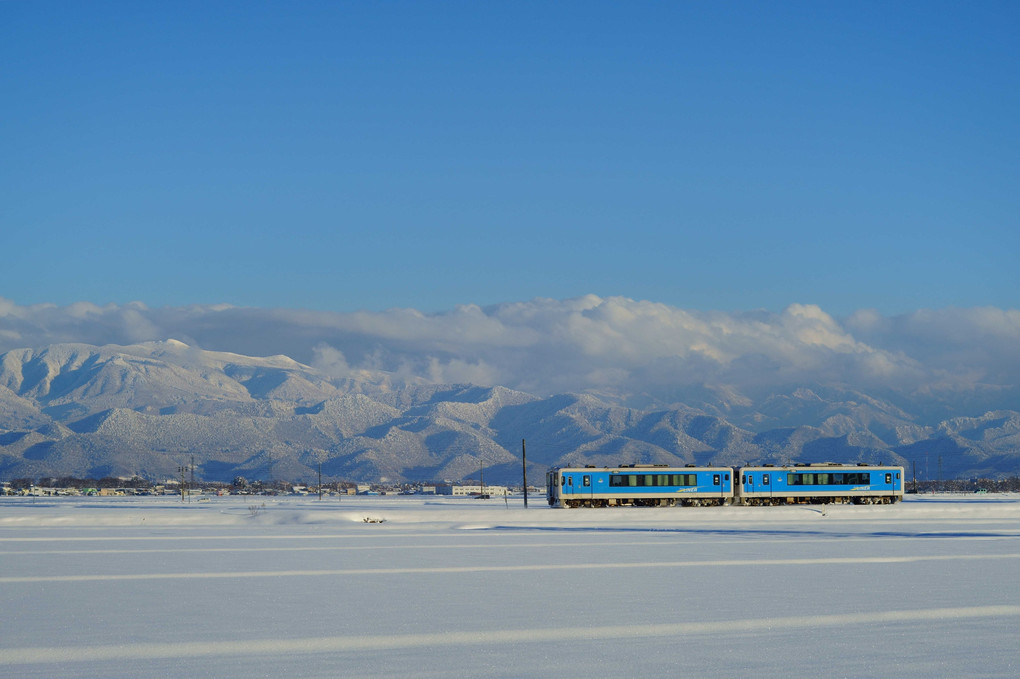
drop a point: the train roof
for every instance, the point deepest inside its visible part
(648, 468)
(662, 468)
(817, 466)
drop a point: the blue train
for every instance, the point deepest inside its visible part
(819, 484)
(639, 485)
(664, 486)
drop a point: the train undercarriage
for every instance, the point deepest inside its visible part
(719, 502)
(647, 502)
(777, 501)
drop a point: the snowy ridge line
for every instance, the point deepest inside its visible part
(263, 647)
(175, 538)
(357, 548)
(498, 569)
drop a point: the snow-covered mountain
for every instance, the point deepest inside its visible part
(77, 409)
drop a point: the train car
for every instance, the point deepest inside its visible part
(639, 485)
(818, 484)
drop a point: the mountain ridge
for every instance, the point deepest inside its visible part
(146, 409)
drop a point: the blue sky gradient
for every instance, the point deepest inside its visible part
(341, 156)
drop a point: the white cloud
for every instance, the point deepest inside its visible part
(456, 371)
(547, 346)
(330, 361)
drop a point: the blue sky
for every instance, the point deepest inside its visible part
(343, 156)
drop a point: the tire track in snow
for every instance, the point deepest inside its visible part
(356, 548)
(174, 538)
(419, 570)
(352, 644)
(475, 545)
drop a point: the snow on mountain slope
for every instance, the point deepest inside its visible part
(86, 410)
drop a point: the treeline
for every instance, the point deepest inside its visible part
(1010, 485)
(75, 482)
(139, 483)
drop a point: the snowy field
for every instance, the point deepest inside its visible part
(152, 587)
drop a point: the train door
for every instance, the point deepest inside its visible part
(766, 482)
(556, 490)
(575, 488)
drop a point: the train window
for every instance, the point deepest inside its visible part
(888, 478)
(834, 479)
(726, 477)
(653, 480)
(563, 480)
(570, 480)
(587, 480)
(765, 479)
(715, 479)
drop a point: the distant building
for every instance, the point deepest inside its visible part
(454, 489)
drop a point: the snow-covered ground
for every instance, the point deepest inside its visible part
(150, 587)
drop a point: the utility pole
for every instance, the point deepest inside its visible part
(192, 476)
(524, 462)
(182, 470)
(320, 479)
